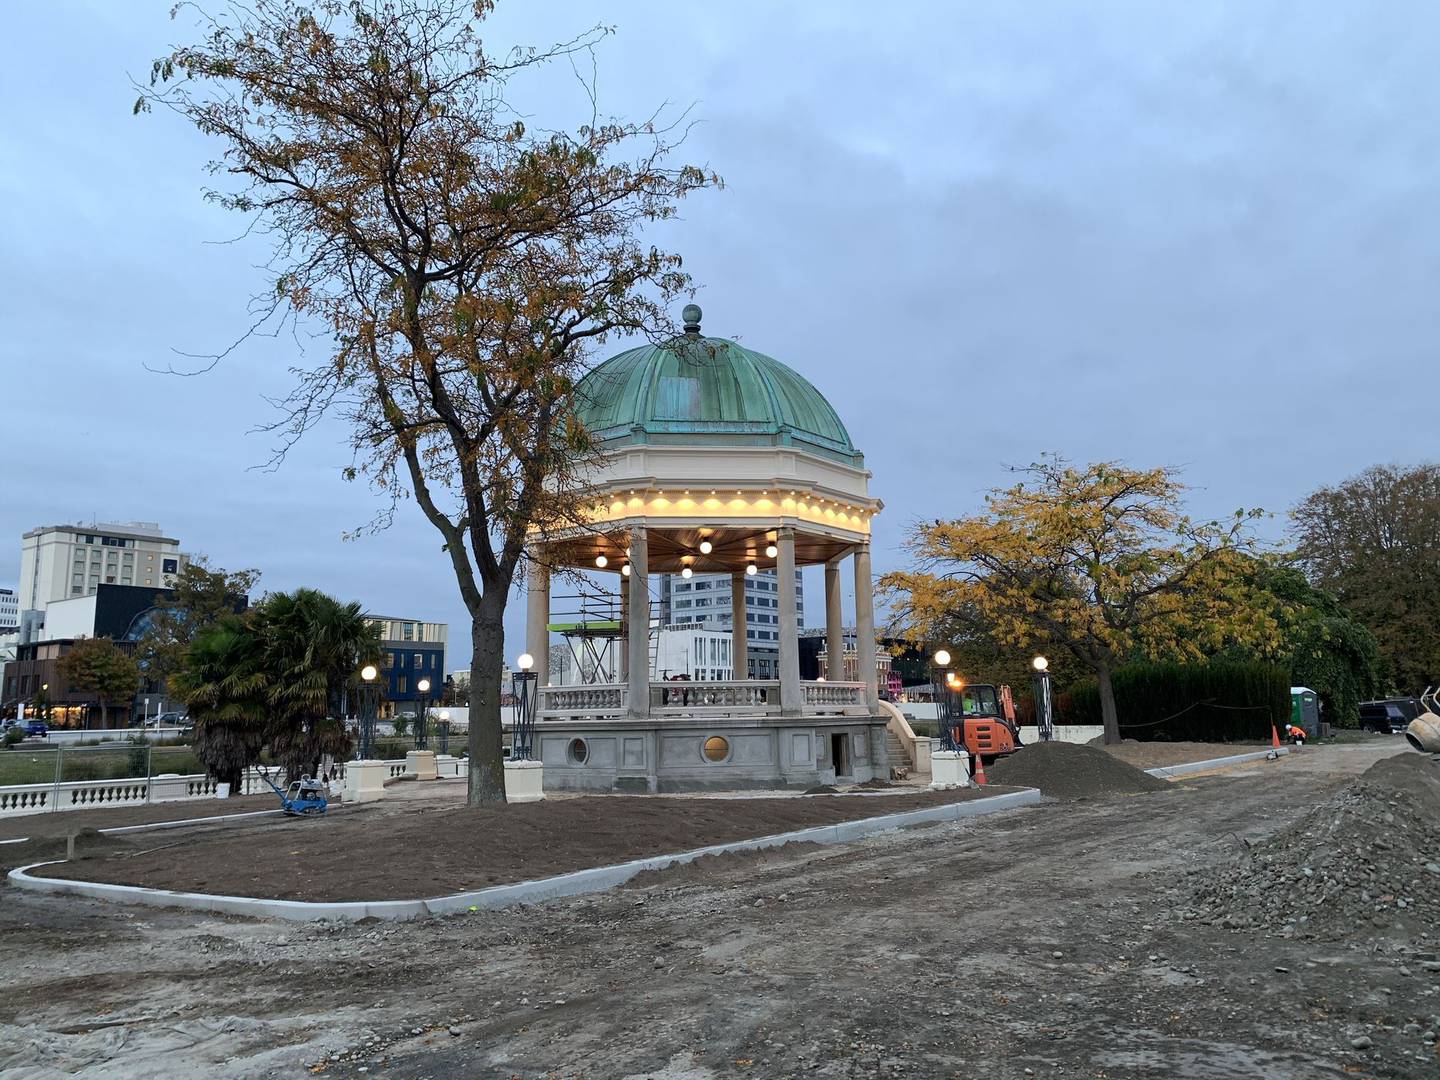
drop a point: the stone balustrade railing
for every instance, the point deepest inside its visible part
(832, 696)
(742, 697)
(597, 699)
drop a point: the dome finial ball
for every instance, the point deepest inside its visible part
(691, 316)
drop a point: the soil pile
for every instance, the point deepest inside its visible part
(1072, 771)
(1368, 856)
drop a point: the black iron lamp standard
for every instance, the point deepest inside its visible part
(422, 718)
(1044, 714)
(945, 681)
(369, 706)
(524, 688)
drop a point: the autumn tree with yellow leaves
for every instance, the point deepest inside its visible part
(1101, 561)
(457, 269)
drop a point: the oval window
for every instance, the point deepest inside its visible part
(717, 748)
(579, 751)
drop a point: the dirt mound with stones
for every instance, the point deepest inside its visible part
(1366, 858)
(1072, 771)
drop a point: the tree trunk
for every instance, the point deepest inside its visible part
(1107, 705)
(104, 715)
(487, 656)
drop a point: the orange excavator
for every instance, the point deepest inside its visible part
(986, 724)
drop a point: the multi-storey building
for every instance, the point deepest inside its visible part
(706, 599)
(413, 651)
(60, 562)
(9, 610)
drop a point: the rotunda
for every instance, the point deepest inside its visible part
(714, 458)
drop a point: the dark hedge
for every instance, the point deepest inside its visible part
(1213, 701)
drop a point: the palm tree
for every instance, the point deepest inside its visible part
(314, 649)
(223, 683)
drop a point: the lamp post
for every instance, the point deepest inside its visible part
(369, 706)
(1044, 717)
(422, 718)
(524, 689)
(943, 678)
(443, 728)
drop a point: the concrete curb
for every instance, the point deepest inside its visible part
(596, 879)
(1166, 771)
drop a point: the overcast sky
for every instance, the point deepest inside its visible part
(1199, 234)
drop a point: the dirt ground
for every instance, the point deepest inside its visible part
(413, 851)
(68, 821)
(1150, 755)
(1043, 942)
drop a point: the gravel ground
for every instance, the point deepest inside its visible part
(1029, 944)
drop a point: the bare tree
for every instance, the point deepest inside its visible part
(463, 267)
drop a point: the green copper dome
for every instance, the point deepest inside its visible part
(704, 391)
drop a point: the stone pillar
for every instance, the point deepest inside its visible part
(834, 625)
(790, 703)
(739, 643)
(637, 644)
(537, 621)
(865, 626)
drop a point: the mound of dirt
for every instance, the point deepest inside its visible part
(1367, 857)
(1072, 771)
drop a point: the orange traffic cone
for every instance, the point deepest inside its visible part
(979, 771)
(1274, 737)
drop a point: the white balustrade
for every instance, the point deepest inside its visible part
(743, 697)
(597, 699)
(832, 696)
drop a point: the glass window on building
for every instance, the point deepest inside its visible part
(407, 631)
(402, 684)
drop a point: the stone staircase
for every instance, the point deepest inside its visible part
(895, 756)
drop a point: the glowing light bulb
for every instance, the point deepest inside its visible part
(368, 672)
(942, 658)
(525, 661)
(771, 551)
(1040, 663)
(687, 573)
(706, 547)
(625, 569)
(601, 561)
(751, 569)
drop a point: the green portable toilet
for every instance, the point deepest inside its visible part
(1305, 710)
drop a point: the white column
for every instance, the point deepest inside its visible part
(865, 626)
(739, 658)
(834, 625)
(637, 644)
(537, 620)
(790, 704)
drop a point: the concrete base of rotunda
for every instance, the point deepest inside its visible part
(667, 756)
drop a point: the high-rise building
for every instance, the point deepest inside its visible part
(413, 651)
(9, 610)
(706, 599)
(58, 562)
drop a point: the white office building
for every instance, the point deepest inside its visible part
(705, 599)
(59, 562)
(9, 609)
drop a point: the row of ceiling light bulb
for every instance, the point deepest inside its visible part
(771, 551)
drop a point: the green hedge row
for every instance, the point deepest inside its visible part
(1213, 701)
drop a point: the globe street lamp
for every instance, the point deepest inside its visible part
(944, 681)
(369, 706)
(1044, 713)
(444, 730)
(526, 694)
(422, 725)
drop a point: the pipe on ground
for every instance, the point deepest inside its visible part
(1423, 733)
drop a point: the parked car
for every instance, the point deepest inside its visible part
(168, 719)
(37, 729)
(1388, 717)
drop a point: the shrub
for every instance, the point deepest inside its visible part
(13, 737)
(1214, 701)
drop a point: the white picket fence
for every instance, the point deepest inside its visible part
(18, 799)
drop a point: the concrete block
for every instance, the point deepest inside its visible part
(524, 781)
(949, 769)
(421, 764)
(365, 781)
